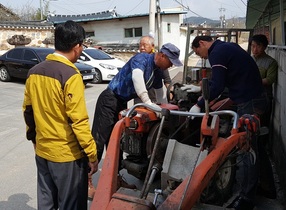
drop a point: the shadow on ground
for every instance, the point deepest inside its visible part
(16, 202)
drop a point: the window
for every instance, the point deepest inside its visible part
(89, 34)
(274, 36)
(138, 32)
(29, 56)
(169, 27)
(83, 57)
(15, 54)
(97, 54)
(133, 32)
(128, 32)
(284, 34)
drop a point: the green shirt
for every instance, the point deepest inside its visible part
(268, 68)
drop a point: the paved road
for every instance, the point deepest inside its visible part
(18, 171)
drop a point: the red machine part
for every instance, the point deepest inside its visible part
(186, 194)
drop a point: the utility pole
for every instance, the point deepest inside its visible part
(159, 24)
(41, 9)
(152, 13)
(44, 4)
(222, 17)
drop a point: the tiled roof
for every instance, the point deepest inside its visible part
(26, 25)
(105, 15)
(84, 17)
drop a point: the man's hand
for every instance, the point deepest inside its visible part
(195, 109)
(192, 88)
(93, 167)
(155, 106)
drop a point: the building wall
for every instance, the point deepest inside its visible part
(37, 35)
(277, 25)
(278, 129)
(174, 34)
(112, 31)
(277, 51)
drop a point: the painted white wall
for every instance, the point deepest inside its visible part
(112, 31)
(174, 35)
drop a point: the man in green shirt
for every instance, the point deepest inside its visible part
(268, 68)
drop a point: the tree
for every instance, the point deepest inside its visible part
(29, 13)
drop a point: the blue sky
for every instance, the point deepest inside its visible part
(209, 8)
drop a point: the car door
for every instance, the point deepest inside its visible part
(13, 61)
(29, 60)
(21, 60)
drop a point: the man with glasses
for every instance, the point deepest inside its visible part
(57, 123)
(233, 68)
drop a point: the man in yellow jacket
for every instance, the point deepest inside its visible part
(57, 123)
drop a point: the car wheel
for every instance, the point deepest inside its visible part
(97, 77)
(4, 74)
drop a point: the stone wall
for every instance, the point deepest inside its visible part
(37, 32)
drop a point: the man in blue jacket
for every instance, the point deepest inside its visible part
(141, 73)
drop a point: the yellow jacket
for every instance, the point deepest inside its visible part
(55, 111)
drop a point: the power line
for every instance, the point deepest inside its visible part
(134, 7)
(243, 3)
(187, 8)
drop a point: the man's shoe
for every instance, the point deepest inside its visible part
(266, 193)
(240, 203)
(122, 183)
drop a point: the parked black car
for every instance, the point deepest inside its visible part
(17, 62)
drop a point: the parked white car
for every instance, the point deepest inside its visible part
(106, 66)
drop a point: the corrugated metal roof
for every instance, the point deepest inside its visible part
(261, 10)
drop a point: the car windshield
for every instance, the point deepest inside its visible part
(97, 54)
(42, 53)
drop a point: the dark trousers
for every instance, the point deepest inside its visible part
(62, 185)
(266, 179)
(106, 113)
(250, 168)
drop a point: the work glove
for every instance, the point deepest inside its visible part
(157, 107)
(191, 88)
(145, 99)
(195, 109)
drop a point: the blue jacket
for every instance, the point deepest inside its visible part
(122, 84)
(234, 68)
